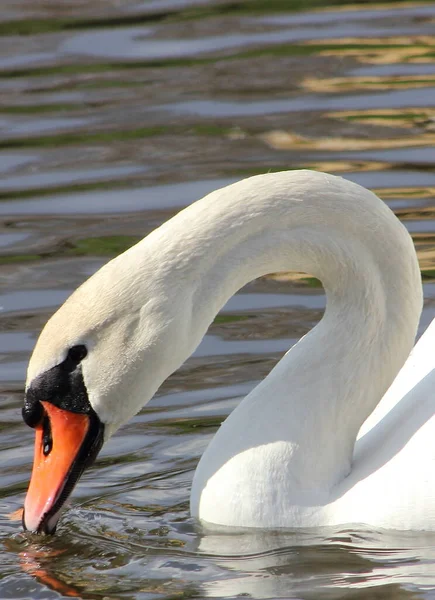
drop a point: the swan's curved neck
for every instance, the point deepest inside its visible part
(315, 400)
(319, 395)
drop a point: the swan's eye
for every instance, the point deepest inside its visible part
(74, 357)
(77, 353)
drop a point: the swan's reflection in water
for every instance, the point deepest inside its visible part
(325, 563)
(308, 565)
(35, 562)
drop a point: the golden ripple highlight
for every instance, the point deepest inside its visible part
(287, 140)
(349, 84)
(343, 166)
(389, 50)
(387, 117)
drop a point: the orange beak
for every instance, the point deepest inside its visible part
(62, 451)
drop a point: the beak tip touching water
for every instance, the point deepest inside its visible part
(33, 524)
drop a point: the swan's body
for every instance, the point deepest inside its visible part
(286, 457)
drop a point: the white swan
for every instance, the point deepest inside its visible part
(286, 456)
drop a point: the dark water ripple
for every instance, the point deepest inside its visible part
(112, 119)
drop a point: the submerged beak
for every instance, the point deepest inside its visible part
(65, 444)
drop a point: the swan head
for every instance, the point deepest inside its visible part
(98, 360)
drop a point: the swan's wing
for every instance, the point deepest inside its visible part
(420, 363)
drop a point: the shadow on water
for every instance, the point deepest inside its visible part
(112, 121)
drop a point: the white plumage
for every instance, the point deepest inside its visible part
(287, 456)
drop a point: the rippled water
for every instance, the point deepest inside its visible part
(115, 115)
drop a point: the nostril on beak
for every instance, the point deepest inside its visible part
(47, 438)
